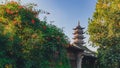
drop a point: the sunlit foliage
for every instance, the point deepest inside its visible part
(104, 31)
(27, 42)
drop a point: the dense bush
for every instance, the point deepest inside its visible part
(27, 42)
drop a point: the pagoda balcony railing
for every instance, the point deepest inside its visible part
(80, 41)
(78, 32)
(78, 35)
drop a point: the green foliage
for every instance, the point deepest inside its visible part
(27, 42)
(104, 31)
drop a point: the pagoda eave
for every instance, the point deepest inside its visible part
(79, 38)
(79, 33)
(78, 28)
(79, 42)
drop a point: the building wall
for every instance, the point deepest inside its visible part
(87, 61)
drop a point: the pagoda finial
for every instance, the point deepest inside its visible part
(78, 22)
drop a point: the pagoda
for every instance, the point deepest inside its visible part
(80, 56)
(78, 35)
(76, 49)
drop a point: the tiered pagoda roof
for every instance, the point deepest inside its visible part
(78, 35)
(78, 31)
(77, 45)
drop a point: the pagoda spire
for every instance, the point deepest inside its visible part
(78, 22)
(78, 35)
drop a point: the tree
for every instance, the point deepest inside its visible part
(27, 42)
(104, 31)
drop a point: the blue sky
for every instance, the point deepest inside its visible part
(66, 13)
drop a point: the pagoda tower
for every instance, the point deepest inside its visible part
(78, 35)
(78, 41)
(77, 53)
